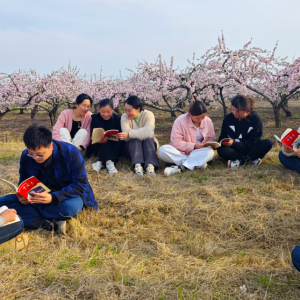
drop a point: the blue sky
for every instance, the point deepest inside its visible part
(115, 34)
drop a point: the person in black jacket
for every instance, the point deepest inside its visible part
(107, 151)
(243, 128)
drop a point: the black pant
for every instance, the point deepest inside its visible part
(10, 231)
(258, 151)
(142, 152)
(111, 150)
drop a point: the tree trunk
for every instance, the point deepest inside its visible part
(96, 108)
(34, 112)
(277, 116)
(52, 115)
(173, 114)
(284, 106)
(22, 111)
(225, 110)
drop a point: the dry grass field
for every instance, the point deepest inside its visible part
(198, 235)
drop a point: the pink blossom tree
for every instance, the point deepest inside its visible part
(17, 91)
(275, 80)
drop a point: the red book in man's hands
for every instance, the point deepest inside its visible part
(28, 187)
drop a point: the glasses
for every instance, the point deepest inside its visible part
(33, 156)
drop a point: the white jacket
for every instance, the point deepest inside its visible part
(145, 129)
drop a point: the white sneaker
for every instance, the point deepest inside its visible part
(203, 167)
(110, 166)
(97, 166)
(257, 162)
(233, 163)
(150, 170)
(61, 227)
(170, 171)
(138, 170)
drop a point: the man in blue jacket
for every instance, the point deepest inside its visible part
(61, 168)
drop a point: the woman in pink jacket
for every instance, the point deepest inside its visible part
(189, 134)
(73, 125)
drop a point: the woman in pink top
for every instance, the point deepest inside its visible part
(189, 134)
(73, 125)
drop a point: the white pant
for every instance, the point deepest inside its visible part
(197, 158)
(78, 139)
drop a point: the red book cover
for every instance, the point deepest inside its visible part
(290, 138)
(111, 132)
(31, 184)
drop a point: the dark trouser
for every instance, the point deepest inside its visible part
(41, 215)
(142, 152)
(258, 151)
(111, 150)
(290, 162)
(9, 232)
(296, 257)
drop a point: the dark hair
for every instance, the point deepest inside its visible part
(135, 102)
(80, 98)
(242, 102)
(37, 136)
(197, 108)
(106, 102)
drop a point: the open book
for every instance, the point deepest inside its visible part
(2, 209)
(28, 187)
(216, 145)
(290, 138)
(99, 133)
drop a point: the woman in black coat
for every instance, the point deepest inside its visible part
(107, 151)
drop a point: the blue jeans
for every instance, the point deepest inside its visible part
(296, 257)
(41, 215)
(291, 162)
(9, 232)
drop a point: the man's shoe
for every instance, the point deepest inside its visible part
(170, 171)
(233, 163)
(110, 166)
(61, 227)
(138, 170)
(97, 166)
(150, 170)
(257, 162)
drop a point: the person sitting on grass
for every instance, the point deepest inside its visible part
(107, 151)
(73, 125)
(61, 168)
(189, 134)
(138, 132)
(290, 158)
(9, 231)
(243, 128)
(296, 257)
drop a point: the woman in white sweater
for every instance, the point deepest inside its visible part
(138, 131)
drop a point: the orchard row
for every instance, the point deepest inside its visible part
(214, 78)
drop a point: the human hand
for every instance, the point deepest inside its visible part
(199, 146)
(79, 148)
(8, 215)
(287, 149)
(22, 199)
(123, 135)
(41, 198)
(298, 152)
(103, 140)
(228, 143)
